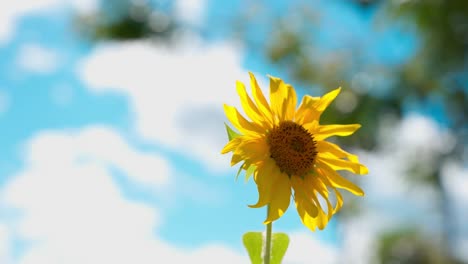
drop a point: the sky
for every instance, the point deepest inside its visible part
(111, 152)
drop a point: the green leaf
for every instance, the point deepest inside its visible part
(280, 243)
(239, 171)
(249, 172)
(231, 133)
(253, 243)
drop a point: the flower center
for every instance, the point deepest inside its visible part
(293, 148)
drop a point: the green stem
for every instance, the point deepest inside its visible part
(266, 257)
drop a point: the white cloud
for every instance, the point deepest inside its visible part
(102, 145)
(455, 181)
(36, 58)
(394, 198)
(78, 215)
(424, 135)
(5, 245)
(214, 254)
(415, 136)
(460, 249)
(360, 236)
(415, 141)
(77, 203)
(83, 6)
(303, 248)
(12, 11)
(176, 94)
(72, 210)
(190, 11)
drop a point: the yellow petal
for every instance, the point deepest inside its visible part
(259, 98)
(327, 131)
(236, 159)
(280, 200)
(339, 164)
(252, 151)
(329, 207)
(322, 219)
(278, 97)
(248, 105)
(239, 122)
(312, 127)
(265, 178)
(301, 192)
(327, 147)
(315, 186)
(306, 112)
(312, 107)
(325, 172)
(339, 197)
(326, 100)
(303, 209)
(231, 145)
(291, 103)
(306, 219)
(249, 170)
(339, 201)
(312, 184)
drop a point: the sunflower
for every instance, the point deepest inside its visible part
(286, 149)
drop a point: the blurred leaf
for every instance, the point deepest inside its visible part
(125, 28)
(444, 28)
(280, 243)
(249, 172)
(231, 133)
(239, 171)
(126, 20)
(253, 243)
(408, 246)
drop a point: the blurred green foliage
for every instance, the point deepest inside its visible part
(437, 70)
(440, 67)
(121, 20)
(408, 246)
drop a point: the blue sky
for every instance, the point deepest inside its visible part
(110, 152)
